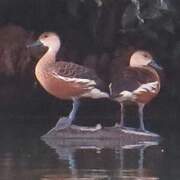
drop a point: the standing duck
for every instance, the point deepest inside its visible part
(137, 83)
(66, 80)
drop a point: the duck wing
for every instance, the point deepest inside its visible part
(134, 80)
(72, 72)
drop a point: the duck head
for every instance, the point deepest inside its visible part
(143, 59)
(48, 39)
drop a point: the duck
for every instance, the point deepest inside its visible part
(66, 80)
(138, 83)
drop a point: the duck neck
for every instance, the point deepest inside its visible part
(46, 60)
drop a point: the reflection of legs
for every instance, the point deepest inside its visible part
(141, 161)
(72, 165)
(121, 161)
(140, 109)
(65, 122)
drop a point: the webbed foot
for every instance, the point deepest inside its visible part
(63, 123)
(142, 130)
(121, 126)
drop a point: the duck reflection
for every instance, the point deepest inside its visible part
(133, 161)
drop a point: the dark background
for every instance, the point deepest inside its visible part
(98, 34)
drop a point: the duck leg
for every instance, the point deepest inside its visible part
(121, 124)
(74, 110)
(140, 110)
(66, 122)
(122, 115)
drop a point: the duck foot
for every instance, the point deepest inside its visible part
(143, 130)
(63, 123)
(120, 126)
(84, 128)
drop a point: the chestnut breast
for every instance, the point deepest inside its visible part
(66, 80)
(60, 88)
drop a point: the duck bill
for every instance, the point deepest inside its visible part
(155, 65)
(35, 44)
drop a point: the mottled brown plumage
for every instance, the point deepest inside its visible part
(72, 70)
(138, 83)
(132, 78)
(66, 80)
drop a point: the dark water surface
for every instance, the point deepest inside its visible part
(24, 156)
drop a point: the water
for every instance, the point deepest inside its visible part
(24, 156)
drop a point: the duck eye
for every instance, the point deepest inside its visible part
(145, 55)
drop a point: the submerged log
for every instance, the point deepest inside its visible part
(104, 138)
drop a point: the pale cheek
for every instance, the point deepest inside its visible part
(147, 62)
